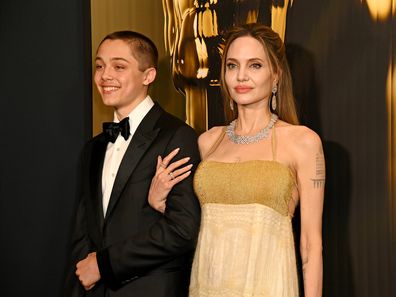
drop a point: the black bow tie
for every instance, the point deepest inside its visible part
(111, 130)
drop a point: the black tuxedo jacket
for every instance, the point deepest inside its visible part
(140, 251)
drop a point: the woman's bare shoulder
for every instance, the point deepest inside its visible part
(302, 140)
(298, 133)
(208, 138)
(306, 138)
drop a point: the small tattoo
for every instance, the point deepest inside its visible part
(318, 182)
(320, 165)
(320, 171)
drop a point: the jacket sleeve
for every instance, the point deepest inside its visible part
(79, 244)
(172, 236)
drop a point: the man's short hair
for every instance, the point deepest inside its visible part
(143, 48)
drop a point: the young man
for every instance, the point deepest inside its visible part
(121, 246)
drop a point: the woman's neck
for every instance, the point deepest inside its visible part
(250, 121)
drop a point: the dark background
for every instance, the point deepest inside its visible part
(45, 113)
(339, 58)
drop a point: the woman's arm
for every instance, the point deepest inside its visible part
(311, 174)
(169, 174)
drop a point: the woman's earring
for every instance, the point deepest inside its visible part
(232, 104)
(273, 98)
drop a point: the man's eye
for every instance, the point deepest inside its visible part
(98, 67)
(119, 67)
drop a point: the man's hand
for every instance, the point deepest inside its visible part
(88, 271)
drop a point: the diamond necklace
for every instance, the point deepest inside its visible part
(246, 139)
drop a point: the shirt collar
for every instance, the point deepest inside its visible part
(138, 114)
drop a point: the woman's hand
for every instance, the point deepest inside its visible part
(166, 176)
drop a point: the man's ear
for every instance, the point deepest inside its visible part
(149, 76)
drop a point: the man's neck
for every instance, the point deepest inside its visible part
(123, 112)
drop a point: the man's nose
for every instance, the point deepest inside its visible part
(106, 74)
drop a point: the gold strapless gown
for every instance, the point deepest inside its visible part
(245, 246)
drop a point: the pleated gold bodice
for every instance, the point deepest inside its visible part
(258, 181)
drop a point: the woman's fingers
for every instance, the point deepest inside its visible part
(178, 175)
(179, 178)
(169, 157)
(180, 171)
(177, 164)
(159, 163)
(166, 177)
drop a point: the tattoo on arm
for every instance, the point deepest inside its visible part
(318, 183)
(319, 180)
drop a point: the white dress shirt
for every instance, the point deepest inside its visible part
(115, 151)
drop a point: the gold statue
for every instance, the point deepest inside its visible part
(193, 34)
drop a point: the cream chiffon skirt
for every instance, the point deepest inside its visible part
(244, 250)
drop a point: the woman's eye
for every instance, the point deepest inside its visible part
(231, 66)
(98, 67)
(119, 67)
(256, 66)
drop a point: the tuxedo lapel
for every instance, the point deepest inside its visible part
(140, 143)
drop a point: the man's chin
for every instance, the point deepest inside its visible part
(109, 102)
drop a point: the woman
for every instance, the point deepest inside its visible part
(252, 175)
